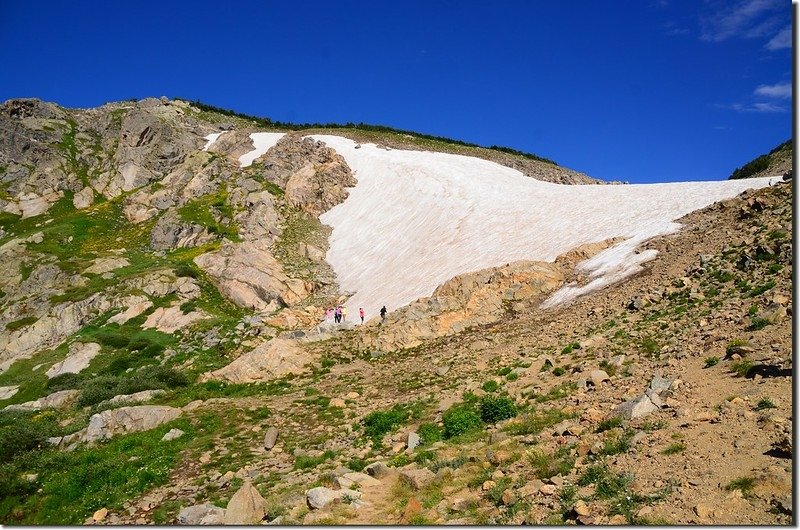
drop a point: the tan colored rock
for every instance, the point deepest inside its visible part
(136, 305)
(56, 400)
(83, 199)
(109, 423)
(272, 359)
(412, 509)
(171, 319)
(100, 515)
(247, 506)
(417, 478)
(471, 299)
(80, 355)
(248, 274)
(7, 392)
(103, 265)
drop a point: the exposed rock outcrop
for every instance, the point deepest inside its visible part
(270, 360)
(80, 355)
(251, 277)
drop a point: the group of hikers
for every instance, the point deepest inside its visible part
(339, 314)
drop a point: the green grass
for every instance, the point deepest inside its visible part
(674, 449)
(213, 212)
(741, 368)
(72, 485)
(310, 462)
(490, 386)
(609, 423)
(21, 323)
(536, 421)
(765, 403)
(744, 484)
(710, 361)
(546, 465)
(758, 323)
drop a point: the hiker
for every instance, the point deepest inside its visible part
(383, 314)
(328, 314)
(344, 313)
(337, 314)
(361, 314)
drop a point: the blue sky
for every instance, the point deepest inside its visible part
(638, 90)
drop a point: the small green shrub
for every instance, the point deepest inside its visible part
(356, 464)
(710, 361)
(609, 423)
(459, 419)
(758, 323)
(559, 371)
(310, 462)
(188, 306)
(513, 376)
(674, 449)
(112, 339)
(745, 484)
(497, 408)
(504, 371)
(490, 386)
(570, 347)
(765, 403)
(25, 431)
(184, 270)
(741, 368)
(378, 423)
(429, 433)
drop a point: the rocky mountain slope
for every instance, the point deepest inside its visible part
(163, 360)
(777, 162)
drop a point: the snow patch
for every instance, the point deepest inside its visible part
(213, 137)
(262, 142)
(416, 219)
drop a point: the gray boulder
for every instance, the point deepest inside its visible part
(270, 438)
(201, 514)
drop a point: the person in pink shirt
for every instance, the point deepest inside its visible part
(361, 314)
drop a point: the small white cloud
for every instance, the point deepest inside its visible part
(782, 40)
(756, 107)
(749, 18)
(765, 107)
(779, 90)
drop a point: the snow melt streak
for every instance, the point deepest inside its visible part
(416, 219)
(261, 142)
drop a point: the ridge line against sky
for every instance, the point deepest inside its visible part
(642, 91)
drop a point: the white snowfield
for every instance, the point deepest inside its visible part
(416, 219)
(262, 142)
(213, 137)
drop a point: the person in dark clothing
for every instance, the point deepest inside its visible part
(383, 314)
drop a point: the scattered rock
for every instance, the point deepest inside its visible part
(173, 434)
(417, 478)
(201, 514)
(378, 470)
(635, 408)
(270, 438)
(247, 506)
(412, 440)
(100, 515)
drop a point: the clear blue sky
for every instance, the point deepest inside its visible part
(638, 90)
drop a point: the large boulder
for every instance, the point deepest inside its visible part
(171, 319)
(56, 400)
(109, 423)
(248, 274)
(201, 514)
(247, 506)
(270, 360)
(80, 355)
